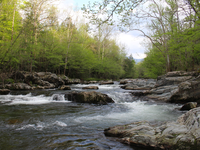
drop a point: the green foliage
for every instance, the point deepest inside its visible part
(129, 65)
(8, 81)
(38, 42)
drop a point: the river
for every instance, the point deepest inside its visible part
(32, 120)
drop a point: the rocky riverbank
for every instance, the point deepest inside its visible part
(176, 87)
(37, 80)
(182, 134)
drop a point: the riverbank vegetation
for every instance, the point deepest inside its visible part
(171, 27)
(33, 37)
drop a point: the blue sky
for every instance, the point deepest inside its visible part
(132, 40)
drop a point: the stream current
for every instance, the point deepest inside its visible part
(32, 120)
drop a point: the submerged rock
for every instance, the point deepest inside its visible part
(182, 134)
(91, 97)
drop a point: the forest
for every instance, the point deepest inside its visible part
(34, 38)
(171, 27)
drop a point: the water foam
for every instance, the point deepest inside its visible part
(29, 99)
(134, 111)
(42, 125)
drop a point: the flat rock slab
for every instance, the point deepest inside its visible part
(179, 135)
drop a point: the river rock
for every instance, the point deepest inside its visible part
(175, 78)
(18, 86)
(91, 97)
(140, 84)
(124, 81)
(187, 91)
(89, 82)
(64, 87)
(4, 91)
(106, 82)
(189, 106)
(140, 93)
(179, 135)
(53, 78)
(162, 93)
(72, 81)
(91, 87)
(181, 73)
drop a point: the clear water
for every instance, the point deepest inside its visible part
(32, 120)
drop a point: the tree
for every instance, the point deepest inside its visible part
(10, 24)
(129, 65)
(172, 35)
(36, 14)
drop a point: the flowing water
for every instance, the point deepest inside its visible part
(32, 120)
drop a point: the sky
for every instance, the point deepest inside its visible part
(132, 40)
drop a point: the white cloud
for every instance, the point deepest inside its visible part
(133, 44)
(132, 40)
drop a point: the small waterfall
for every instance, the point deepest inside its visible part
(57, 97)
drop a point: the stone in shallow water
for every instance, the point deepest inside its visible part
(91, 97)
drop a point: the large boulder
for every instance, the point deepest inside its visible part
(52, 78)
(179, 135)
(91, 97)
(187, 91)
(162, 93)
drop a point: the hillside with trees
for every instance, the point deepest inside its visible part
(172, 28)
(34, 38)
